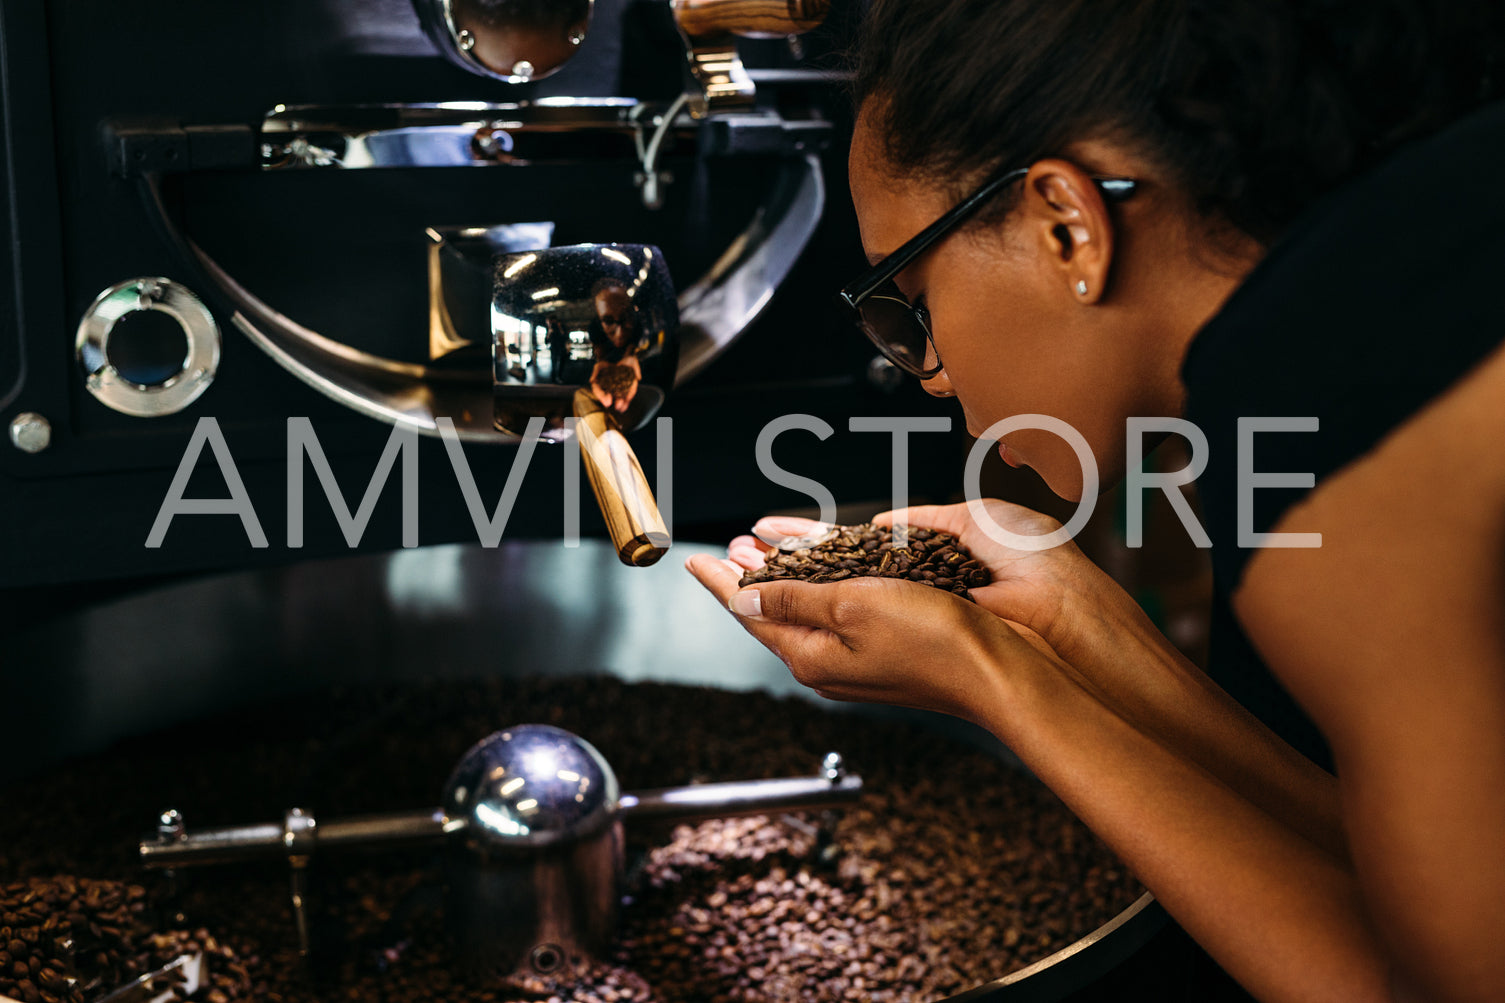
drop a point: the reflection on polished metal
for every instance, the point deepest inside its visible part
(599, 316)
(729, 297)
(723, 80)
(590, 332)
(299, 836)
(534, 872)
(176, 846)
(713, 313)
(460, 279)
(512, 40)
(200, 847)
(750, 18)
(751, 797)
(30, 432)
(1139, 922)
(531, 786)
(452, 134)
(171, 394)
(709, 29)
(475, 133)
(186, 974)
(533, 818)
(650, 179)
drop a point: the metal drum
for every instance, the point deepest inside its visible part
(531, 870)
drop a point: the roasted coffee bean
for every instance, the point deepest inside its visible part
(94, 937)
(930, 558)
(952, 870)
(616, 378)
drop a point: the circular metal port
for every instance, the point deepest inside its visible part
(546, 958)
(143, 364)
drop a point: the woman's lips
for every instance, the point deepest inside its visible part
(1006, 454)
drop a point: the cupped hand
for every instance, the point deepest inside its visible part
(881, 640)
(1029, 587)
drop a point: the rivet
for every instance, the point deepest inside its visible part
(30, 432)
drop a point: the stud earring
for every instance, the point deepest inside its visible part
(1081, 287)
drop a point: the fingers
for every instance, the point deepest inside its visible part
(792, 643)
(788, 602)
(951, 519)
(775, 527)
(747, 551)
(826, 607)
(720, 577)
(959, 521)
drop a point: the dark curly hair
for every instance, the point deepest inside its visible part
(1254, 108)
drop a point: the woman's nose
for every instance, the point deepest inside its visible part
(938, 385)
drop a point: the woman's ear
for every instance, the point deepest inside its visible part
(1070, 219)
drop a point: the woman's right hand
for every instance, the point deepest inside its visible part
(1036, 588)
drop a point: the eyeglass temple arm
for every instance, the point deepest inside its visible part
(912, 248)
(1114, 189)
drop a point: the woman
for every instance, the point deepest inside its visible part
(616, 339)
(1212, 211)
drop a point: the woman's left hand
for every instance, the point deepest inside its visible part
(880, 640)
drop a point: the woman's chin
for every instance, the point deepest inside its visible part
(1065, 484)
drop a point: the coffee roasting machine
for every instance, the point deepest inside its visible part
(290, 210)
(447, 241)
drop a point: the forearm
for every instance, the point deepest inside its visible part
(1127, 663)
(1278, 912)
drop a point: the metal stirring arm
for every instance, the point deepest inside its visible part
(300, 834)
(185, 974)
(833, 788)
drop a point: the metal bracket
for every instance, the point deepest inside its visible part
(714, 312)
(649, 178)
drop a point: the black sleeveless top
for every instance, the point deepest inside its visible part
(1384, 295)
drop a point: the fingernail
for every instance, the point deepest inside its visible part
(746, 603)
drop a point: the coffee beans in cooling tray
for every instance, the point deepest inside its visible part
(66, 939)
(930, 558)
(952, 869)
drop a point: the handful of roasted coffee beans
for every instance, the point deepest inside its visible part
(930, 557)
(616, 378)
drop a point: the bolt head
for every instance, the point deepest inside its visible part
(30, 432)
(833, 767)
(466, 39)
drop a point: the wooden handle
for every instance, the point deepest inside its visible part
(749, 17)
(632, 517)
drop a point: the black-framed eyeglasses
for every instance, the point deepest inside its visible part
(901, 330)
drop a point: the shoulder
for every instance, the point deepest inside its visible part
(1391, 636)
(1375, 304)
(1400, 606)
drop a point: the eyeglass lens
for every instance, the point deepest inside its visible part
(890, 321)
